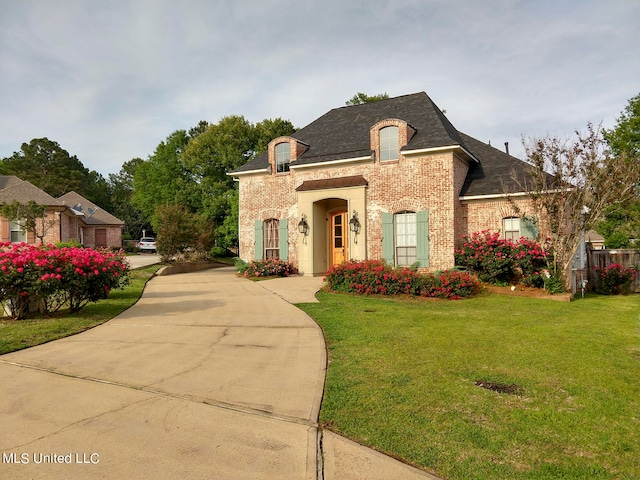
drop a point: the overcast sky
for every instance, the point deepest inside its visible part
(110, 79)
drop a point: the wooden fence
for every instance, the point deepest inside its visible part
(603, 258)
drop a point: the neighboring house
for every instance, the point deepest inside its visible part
(62, 222)
(91, 225)
(389, 180)
(14, 189)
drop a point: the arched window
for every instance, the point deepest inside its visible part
(271, 238)
(389, 144)
(283, 154)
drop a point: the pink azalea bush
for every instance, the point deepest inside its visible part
(272, 267)
(48, 277)
(497, 260)
(615, 279)
(376, 277)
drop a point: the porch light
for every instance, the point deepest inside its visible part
(354, 223)
(303, 226)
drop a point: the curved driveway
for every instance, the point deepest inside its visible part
(208, 376)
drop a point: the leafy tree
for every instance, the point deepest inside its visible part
(164, 180)
(122, 192)
(48, 166)
(585, 179)
(268, 129)
(32, 217)
(625, 137)
(176, 228)
(360, 98)
(621, 223)
(190, 170)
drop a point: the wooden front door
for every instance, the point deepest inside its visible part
(101, 237)
(338, 238)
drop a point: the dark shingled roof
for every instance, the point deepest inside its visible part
(343, 133)
(496, 173)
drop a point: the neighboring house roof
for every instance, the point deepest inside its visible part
(344, 133)
(91, 214)
(13, 189)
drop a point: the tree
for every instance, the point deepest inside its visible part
(625, 136)
(48, 166)
(190, 170)
(572, 183)
(164, 180)
(31, 216)
(122, 192)
(360, 98)
(220, 149)
(176, 228)
(621, 223)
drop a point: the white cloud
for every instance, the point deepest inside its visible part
(110, 80)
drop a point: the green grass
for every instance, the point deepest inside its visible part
(19, 334)
(402, 379)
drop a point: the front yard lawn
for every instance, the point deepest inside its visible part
(492, 387)
(19, 334)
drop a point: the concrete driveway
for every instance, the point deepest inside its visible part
(208, 376)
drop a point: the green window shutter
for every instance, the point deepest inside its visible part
(387, 238)
(283, 239)
(529, 227)
(422, 228)
(258, 244)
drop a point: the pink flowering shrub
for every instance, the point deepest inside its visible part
(497, 260)
(615, 279)
(47, 278)
(273, 267)
(376, 277)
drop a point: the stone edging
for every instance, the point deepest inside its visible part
(187, 268)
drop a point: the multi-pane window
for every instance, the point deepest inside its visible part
(271, 240)
(283, 152)
(511, 229)
(389, 145)
(18, 233)
(406, 238)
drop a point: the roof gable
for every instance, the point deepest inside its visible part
(15, 189)
(344, 132)
(98, 217)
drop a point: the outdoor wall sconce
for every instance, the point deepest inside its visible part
(354, 223)
(303, 226)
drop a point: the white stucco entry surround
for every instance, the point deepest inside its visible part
(313, 249)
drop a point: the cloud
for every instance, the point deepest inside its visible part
(110, 80)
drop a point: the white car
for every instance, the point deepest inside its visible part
(147, 244)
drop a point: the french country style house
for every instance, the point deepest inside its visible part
(392, 180)
(68, 218)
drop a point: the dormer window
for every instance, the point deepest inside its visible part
(389, 145)
(283, 156)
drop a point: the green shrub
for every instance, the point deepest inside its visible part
(69, 244)
(615, 279)
(219, 252)
(241, 265)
